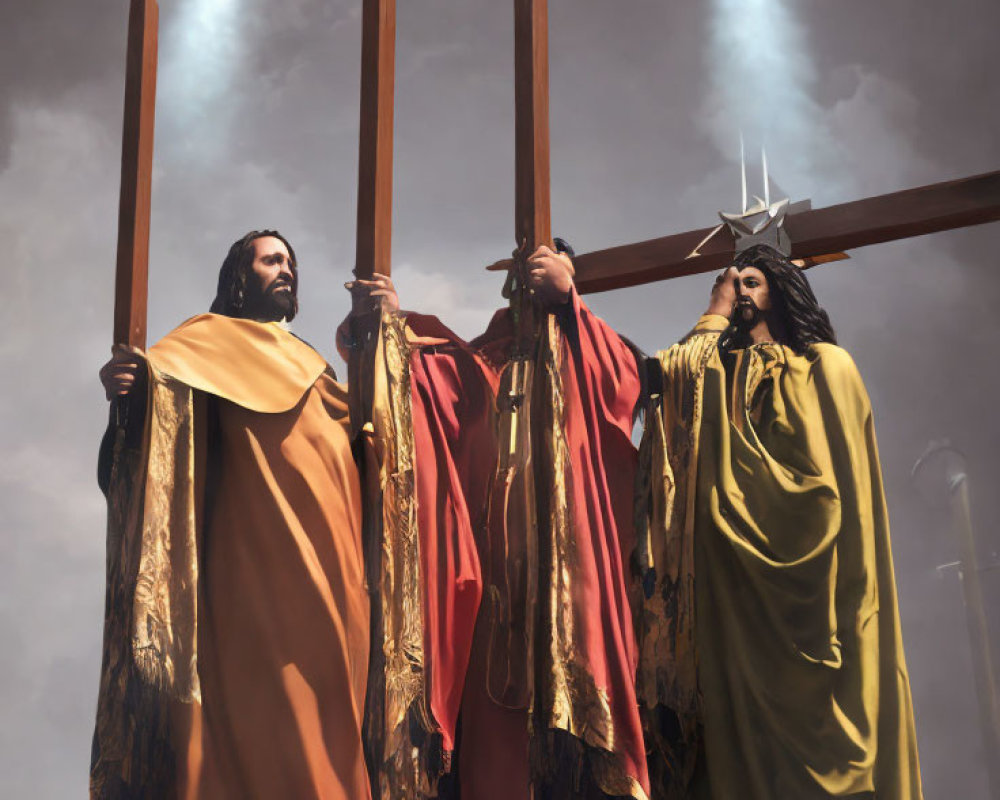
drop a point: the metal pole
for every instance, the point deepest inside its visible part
(975, 610)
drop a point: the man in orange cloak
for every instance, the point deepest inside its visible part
(237, 617)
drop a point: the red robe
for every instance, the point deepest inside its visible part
(529, 630)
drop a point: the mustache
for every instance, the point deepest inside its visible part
(745, 313)
(278, 283)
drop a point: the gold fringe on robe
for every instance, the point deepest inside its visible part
(236, 634)
(770, 626)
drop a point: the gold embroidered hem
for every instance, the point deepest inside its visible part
(570, 699)
(764, 481)
(401, 709)
(150, 645)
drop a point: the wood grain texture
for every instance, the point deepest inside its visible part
(378, 59)
(132, 267)
(899, 215)
(532, 224)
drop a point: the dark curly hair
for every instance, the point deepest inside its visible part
(231, 294)
(792, 299)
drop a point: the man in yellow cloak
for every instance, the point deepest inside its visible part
(771, 661)
(237, 617)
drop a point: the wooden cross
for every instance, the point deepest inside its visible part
(814, 233)
(900, 215)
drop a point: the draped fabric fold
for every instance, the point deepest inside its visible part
(258, 366)
(667, 679)
(150, 629)
(588, 390)
(237, 620)
(767, 525)
(524, 471)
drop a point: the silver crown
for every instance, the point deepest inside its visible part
(763, 222)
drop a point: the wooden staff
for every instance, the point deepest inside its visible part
(374, 238)
(531, 124)
(373, 254)
(511, 678)
(132, 269)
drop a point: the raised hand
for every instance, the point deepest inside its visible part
(367, 296)
(550, 275)
(723, 299)
(363, 291)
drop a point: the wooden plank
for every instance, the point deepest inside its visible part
(378, 59)
(532, 226)
(132, 268)
(374, 233)
(899, 215)
(373, 254)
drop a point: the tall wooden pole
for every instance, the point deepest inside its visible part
(378, 45)
(514, 682)
(373, 254)
(374, 241)
(131, 275)
(531, 123)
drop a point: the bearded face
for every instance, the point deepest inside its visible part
(753, 299)
(273, 282)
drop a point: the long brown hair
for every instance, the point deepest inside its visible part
(231, 294)
(792, 298)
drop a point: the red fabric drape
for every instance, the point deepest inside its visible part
(453, 387)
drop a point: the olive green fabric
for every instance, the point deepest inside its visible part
(803, 685)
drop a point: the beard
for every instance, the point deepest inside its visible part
(274, 303)
(745, 315)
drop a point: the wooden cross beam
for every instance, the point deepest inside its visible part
(132, 268)
(815, 234)
(885, 218)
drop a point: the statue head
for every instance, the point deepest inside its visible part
(259, 279)
(771, 288)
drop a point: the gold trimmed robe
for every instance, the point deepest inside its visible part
(770, 626)
(236, 639)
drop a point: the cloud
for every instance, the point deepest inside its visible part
(644, 143)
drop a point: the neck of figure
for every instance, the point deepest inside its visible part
(264, 309)
(760, 333)
(767, 328)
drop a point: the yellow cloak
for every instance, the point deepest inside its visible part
(770, 626)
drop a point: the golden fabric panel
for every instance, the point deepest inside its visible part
(800, 667)
(165, 611)
(510, 675)
(403, 772)
(668, 453)
(571, 700)
(257, 365)
(150, 654)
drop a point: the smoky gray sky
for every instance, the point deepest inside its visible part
(257, 127)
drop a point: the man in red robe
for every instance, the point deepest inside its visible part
(517, 449)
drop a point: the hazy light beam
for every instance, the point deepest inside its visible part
(204, 47)
(761, 79)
